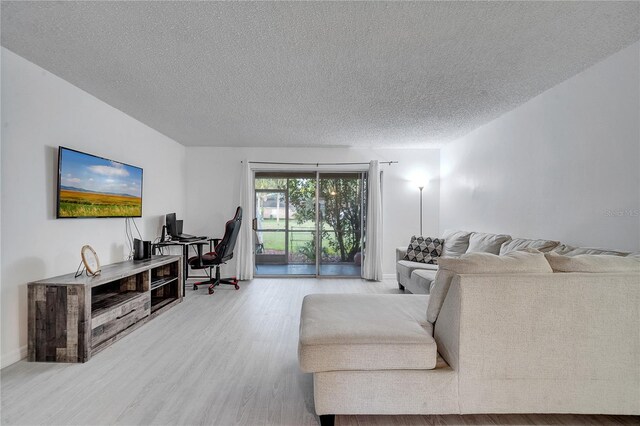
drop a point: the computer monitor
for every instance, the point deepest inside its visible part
(171, 224)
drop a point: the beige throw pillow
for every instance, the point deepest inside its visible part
(596, 263)
(527, 261)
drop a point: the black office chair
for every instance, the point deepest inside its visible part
(222, 252)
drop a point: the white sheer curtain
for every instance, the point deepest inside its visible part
(372, 262)
(245, 262)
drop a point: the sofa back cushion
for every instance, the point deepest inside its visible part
(456, 243)
(481, 242)
(596, 263)
(567, 250)
(527, 261)
(522, 243)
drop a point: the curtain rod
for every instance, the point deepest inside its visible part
(318, 164)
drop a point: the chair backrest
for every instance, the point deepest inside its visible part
(225, 247)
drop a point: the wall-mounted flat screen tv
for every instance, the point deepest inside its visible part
(92, 186)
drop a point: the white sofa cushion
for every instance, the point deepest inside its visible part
(365, 332)
(529, 261)
(567, 250)
(406, 267)
(421, 281)
(597, 263)
(481, 242)
(455, 243)
(516, 244)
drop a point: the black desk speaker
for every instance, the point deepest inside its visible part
(141, 249)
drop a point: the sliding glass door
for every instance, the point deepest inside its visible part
(285, 224)
(341, 223)
(309, 223)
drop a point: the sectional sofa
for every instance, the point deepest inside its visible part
(524, 332)
(417, 278)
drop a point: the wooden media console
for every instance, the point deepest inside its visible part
(73, 318)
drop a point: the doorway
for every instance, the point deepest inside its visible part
(309, 223)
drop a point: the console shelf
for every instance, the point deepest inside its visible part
(72, 318)
(158, 303)
(108, 301)
(162, 281)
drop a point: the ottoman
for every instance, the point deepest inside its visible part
(347, 340)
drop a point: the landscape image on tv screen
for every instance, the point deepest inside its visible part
(90, 186)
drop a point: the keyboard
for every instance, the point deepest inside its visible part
(188, 238)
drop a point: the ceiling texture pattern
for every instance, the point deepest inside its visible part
(316, 73)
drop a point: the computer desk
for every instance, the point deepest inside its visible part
(185, 254)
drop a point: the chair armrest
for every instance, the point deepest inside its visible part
(400, 252)
(199, 245)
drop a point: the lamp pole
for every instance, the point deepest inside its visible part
(421, 188)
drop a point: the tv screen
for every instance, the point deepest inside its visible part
(91, 186)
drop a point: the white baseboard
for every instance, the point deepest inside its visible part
(388, 276)
(13, 356)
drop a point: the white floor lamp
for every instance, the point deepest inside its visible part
(421, 188)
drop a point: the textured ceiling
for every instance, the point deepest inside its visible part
(316, 73)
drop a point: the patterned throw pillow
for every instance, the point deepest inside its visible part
(424, 250)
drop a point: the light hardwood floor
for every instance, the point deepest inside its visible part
(225, 359)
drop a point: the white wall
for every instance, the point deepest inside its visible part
(565, 165)
(40, 112)
(214, 187)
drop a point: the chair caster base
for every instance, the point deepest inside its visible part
(213, 283)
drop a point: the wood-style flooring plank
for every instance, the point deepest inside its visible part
(224, 359)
